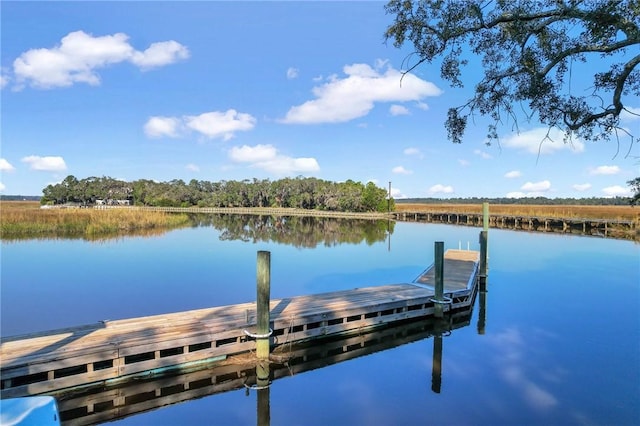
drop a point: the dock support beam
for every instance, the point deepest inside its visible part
(439, 277)
(262, 302)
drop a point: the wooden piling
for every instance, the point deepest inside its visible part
(485, 216)
(485, 255)
(439, 278)
(483, 260)
(262, 302)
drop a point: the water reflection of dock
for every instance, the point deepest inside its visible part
(102, 404)
(111, 352)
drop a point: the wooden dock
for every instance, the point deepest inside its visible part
(114, 350)
(570, 225)
(100, 404)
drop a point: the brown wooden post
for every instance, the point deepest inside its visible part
(262, 302)
(263, 335)
(439, 278)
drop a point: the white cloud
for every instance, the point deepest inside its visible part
(616, 191)
(253, 154)
(2, 187)
(48, 164)
(482, 154)
(535, 141)
(581, 186)
(401, 170)
(397, 193)
(441, 189)
(514, 371)
(516, 194)
(292, 73)
(160, 54)
(531, 189)
(422, 105)
(213, 125)
(605, 170)
(464, 163)
(266, 157)
(192, 167)
(282, 165)
(4, 80)
(5, 166)
(412, 151)
(398, 110)
(79, 55)
(536, 187)
(513, 174)
(220, 124)
(343, 99)
(158, 127)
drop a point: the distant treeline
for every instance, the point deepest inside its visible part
(303, 193)
(20, 198)
(306, 193)
(592, 201)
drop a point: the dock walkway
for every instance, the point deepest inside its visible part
(49, 361)
(107, 403)
(616, 228)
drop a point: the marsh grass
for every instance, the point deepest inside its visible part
(27, 220)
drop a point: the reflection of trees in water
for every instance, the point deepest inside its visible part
(298, 231)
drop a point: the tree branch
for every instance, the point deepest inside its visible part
(617, 106)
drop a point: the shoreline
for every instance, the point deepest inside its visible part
(619, 222)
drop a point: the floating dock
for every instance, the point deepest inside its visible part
(113, 351)
(100, 404)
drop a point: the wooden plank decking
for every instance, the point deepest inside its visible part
(48, 361)
(107, 403)
(458, 270)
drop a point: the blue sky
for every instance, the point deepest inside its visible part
(240, 90)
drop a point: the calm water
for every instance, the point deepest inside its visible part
(561, 345)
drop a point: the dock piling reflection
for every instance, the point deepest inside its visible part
(436, 368)
(263, 382)
(482, 314)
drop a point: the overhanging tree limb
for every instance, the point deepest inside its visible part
(528, 49)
